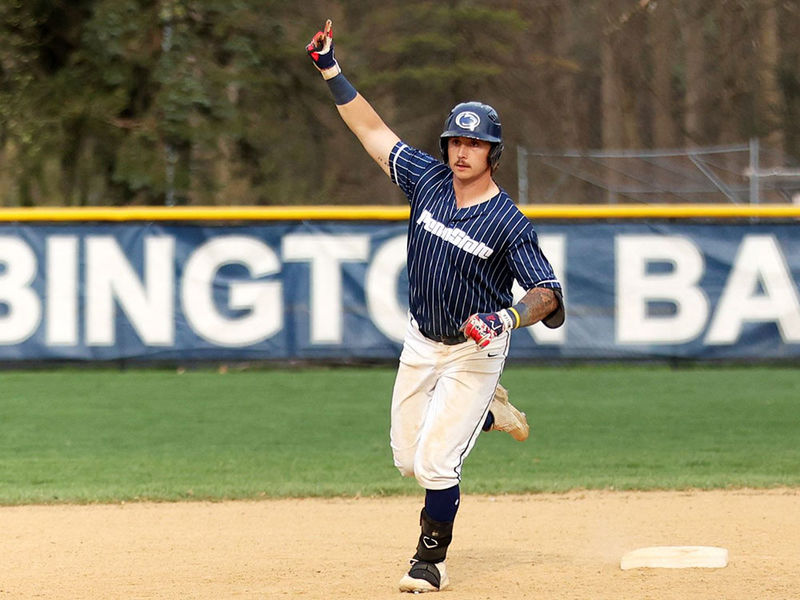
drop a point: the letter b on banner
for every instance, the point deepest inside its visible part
(638, 288)
(20, 309)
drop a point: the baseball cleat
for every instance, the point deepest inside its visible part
(506, 417)
(424, 577)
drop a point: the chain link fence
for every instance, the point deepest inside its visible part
(736, 174)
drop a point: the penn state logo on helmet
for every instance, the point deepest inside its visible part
(468, 120)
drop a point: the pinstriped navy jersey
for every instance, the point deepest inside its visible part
(461, 261)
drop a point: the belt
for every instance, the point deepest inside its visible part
(447, 340)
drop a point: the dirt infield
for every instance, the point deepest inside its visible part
(538, 546)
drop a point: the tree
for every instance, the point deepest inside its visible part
(214, 101)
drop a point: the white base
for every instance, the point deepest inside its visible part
(676, 557)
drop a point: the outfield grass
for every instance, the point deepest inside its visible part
(93, 435)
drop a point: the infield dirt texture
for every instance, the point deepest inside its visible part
(539, 546)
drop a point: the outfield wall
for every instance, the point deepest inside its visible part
(329, 283)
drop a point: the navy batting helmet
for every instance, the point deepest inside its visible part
(474, 120)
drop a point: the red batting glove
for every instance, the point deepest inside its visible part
(320, 49)
(484, 327)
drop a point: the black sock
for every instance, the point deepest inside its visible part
(487, 424)
(442, 505)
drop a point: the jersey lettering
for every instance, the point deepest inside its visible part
(454, 236)
(461, 261)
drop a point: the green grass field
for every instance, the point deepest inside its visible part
(101, 435)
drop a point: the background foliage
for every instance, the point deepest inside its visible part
(113, 102)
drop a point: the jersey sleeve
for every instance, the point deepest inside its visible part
(529, 264)
(407, 165)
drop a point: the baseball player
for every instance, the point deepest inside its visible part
(467, 243)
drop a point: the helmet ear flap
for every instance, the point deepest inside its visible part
(494, 155)
(443, 149)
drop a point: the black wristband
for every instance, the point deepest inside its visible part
(342, 90)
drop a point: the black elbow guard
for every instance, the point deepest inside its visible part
(556, 318)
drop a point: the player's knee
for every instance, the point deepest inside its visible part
(432, 476)
(404, 461)
(405, 470)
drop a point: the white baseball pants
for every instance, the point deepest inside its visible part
(440, 401)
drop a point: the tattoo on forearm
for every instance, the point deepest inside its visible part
(536, 305)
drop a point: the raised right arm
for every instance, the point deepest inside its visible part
(377, 139)
(358, 114)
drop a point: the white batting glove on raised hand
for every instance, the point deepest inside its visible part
(484, 327)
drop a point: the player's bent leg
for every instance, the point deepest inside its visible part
(507, 417)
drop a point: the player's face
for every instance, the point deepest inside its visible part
(468, 157)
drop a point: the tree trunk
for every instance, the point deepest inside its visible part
(565, 88)
(694, 54)
(612, 102)
(768, 95)
(661, 44)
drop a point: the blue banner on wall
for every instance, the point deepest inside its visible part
(337, 291)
